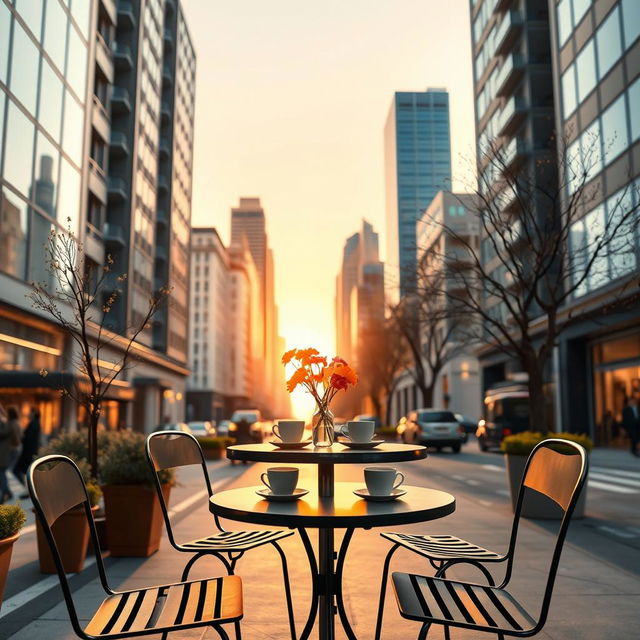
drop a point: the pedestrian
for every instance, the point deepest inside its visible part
(30, 446)
(10, 444)
(631, 423)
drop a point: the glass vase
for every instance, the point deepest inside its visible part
(323, 431)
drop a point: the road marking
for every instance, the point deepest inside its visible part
(461, 478)
(610, 487)
(617, 472)
(473, 483)
(613, 479)
(35, 590)
(485, 503)
(617, 532)
(492, 467)
(181, 506)
(503, 492)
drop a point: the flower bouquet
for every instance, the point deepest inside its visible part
(323, 380)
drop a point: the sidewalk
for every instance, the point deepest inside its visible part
(593, 598)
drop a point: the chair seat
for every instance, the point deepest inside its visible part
(442, 547)
(459, 604)
(169, 607)
(229, 541)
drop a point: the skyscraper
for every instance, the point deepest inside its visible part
(417, 153)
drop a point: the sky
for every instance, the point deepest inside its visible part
(291, 101)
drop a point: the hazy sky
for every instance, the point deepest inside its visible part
(291, 101)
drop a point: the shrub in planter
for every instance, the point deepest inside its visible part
(213, 448)
(12, 519)
(132, 510)
(388, 433)
(517, 449)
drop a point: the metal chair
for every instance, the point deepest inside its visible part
(172, 449)
(557, 469)
(55, 486)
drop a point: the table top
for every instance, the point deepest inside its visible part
(335, 454)
(343, 509)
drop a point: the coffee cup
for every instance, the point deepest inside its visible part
(381, 481)
(289, 430)
(359, 430)
(281, 480)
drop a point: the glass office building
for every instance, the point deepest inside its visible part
(417, 152)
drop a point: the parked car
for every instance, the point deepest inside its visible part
(506, 411)
(175, 426)
(432, 428)
(246, 426)
(222, 428)
(469, 424)
(202, 428)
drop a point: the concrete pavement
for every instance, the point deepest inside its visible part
(597, 589)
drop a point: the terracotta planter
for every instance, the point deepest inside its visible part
(71, 533)
(536, 505)
(133, 519)
(213, 454)
(6, 547)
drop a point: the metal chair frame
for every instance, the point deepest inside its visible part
(80, 498)
(233, 556)
(509, 555)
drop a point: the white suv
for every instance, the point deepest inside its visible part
(434, 428)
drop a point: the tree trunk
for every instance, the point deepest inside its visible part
(377, 406)
(537, 401)
(427, 396)
(94, 417)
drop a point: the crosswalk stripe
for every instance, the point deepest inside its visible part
(614, 479)
(610, 487)
(617, 472)
(492, 467)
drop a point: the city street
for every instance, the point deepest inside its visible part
(595, 595)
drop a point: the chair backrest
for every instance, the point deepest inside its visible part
(170, 450)
(557, 469)
(55, 485)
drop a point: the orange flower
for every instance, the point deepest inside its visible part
(286, 358)
(305, 354)
(299, 376)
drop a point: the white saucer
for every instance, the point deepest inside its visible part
(361, 445)
(281, 497)
(394, 495)
(289, 445)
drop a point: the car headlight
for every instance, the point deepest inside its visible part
(232, 426)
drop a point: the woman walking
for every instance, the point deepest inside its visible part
(10, 437)
(30, 446)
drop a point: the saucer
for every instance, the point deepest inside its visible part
(364, 493)
(372, 444)
(289, 445)
(282, 497)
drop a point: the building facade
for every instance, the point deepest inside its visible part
(417, 156)
(80, 144)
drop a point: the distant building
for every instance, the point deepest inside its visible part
(417, 156)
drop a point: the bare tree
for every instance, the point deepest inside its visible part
(539, 253)
(80, 298)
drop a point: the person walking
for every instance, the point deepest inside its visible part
(30, 446)
(10, 443)
(631, 424)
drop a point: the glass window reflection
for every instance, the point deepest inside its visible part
(579, 9)
(634, 110)
(81, 11)
(569, 98)
(24, 68)
(5, 27)
(46, 178)
(51, 92)
(614, 130)
(631, 21)
(31, 13)
(69, 196)
(13, 234)
(77, 64)
(591, 141)
(73, 129)
(39, 233)
(609, 42)
(563, 13)
(18, 155)
(586, 70)
(55, 33)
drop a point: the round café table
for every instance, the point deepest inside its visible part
(331, 506)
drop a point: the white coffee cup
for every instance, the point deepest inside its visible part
(381, 481)
(289, 430)
(281, 480)
(359, 430)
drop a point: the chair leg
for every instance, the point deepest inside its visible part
(221, 632)
(383, 590)
(236, 626)
(287, 590)
(446, 632)
(424, 630)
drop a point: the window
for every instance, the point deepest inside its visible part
(586, 70)
(609, 42)
(46, 178)
(569, 98)
(634, 110)
(77, 63)
(580, 7)
(51, 90)
(18, 154)
(622, 254)
(595, 228)
(69, 195)
(73, 130)
(55, 33)
(31, 13)
(591, 150)
(563, 13)
(13, 233)
(24, 68)
(630, 21)
(5, 27)
(614, 130)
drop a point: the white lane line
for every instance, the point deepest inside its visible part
(492, 467)
(35, 590)
(485, 503)
(473, 483)
(617, 472)
(614, 479)
(461, 478)
(617, 532)
(503, 492)
(610, 487)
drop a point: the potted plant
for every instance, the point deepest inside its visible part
(388, 433)
(517, 449)
(12, 519)
(213, 448)
(132, 510)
